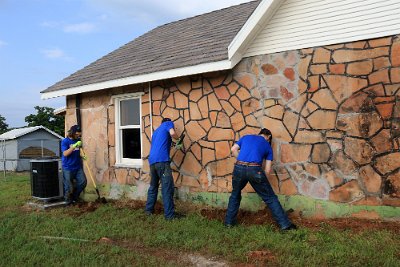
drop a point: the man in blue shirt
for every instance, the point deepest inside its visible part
(72, 165)
(160, 169)
(255, 152)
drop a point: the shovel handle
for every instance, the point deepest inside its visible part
(90, 172)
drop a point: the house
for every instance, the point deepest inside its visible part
(19, 146)
(323, 76)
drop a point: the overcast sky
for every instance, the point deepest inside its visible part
(44, 41)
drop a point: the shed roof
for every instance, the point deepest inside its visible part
(14, 134)
(194, 41)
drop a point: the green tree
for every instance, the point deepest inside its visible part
(3, 125)
(45, 117)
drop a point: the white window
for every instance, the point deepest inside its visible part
(128, 125)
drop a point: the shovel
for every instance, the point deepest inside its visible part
(99, 199)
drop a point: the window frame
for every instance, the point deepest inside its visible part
(120, 161)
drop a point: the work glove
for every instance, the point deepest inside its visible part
(178, 146)
(77, 144)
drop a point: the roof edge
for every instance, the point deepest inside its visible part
(167, 74)
(263, 13)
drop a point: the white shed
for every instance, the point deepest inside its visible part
(19, 146)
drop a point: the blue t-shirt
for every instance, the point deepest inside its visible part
(161, 143)
(254, 148)
(73, 162)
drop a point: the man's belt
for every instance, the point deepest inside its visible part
(248, 163)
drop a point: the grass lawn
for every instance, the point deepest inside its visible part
(119, 234)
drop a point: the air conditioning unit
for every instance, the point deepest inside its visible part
(46, 179)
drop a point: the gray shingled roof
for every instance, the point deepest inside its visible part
(200, 39)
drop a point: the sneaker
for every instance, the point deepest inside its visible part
(148, 213)
(290, 227)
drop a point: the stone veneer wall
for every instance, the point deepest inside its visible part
(334, 112)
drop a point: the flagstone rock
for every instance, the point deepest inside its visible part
(276, 127)
(195, 113)
(191, 165)
(382, 141)
(227, 107)
(360, 124)
(333, 179)
(359, 150)
(380, 76)
(290, 74)
(288, 188)
(395, 75)
(290, 120)
(322, 120)
(337, 68)
(237, 121)
(275, 112)
(320, 153)
(348, 55)
(222, 150)
(246, 80)
(223, 120)
(319, 69)
(213, 103)
(218, 134)
(243, 94)
(388, 163)
(324, 99)
(381, 62)
(269, 69)
(392, 185)
(342, 163)
(360, 68)
(195, 131)
(295, 153)
(308, 137)
(343, 87)
(322, 55)
(395, 53)
(250, 106)
(346, 193)
(372, 181)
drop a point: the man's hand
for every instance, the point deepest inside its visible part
(77, 144)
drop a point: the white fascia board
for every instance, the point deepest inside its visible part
(161, 75)
(253, 25)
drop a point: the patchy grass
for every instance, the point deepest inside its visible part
(120, 234)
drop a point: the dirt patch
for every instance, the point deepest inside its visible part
(247, 218)
(177, 258)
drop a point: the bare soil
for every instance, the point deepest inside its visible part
(247, 218)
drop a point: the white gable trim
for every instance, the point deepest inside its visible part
(251, 28)
(161, 75)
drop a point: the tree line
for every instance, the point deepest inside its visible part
(44, 116)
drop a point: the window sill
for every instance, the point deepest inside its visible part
(131, 166)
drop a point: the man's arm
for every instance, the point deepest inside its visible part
(173, 133)
(268, 164)
(235, 150)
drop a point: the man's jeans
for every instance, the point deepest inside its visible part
(161, 171)
(71, 192)
(256, 176)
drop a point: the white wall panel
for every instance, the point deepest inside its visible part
(308, 23)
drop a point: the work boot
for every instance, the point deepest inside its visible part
(290, 227)
(176, 216)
